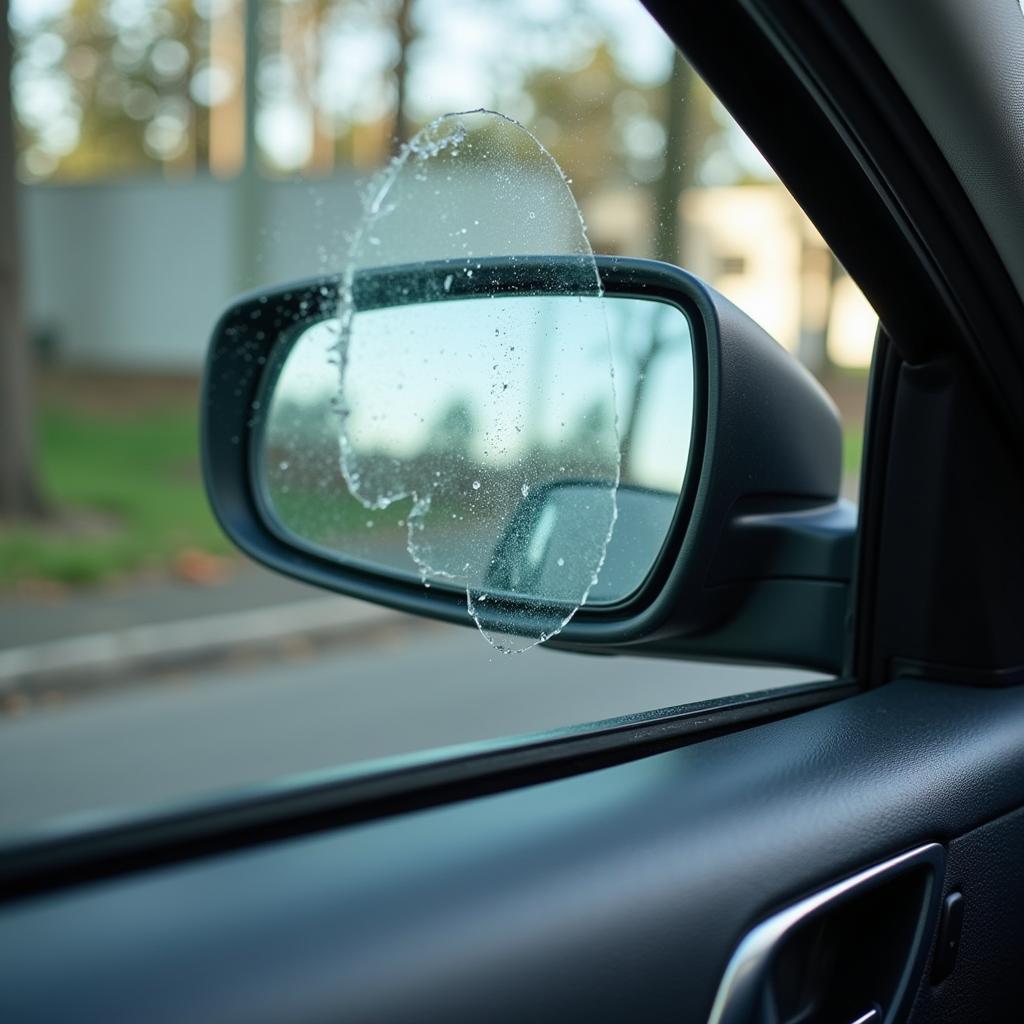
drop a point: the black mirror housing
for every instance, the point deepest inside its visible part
(757, 563)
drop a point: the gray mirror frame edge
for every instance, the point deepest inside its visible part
(763, 479)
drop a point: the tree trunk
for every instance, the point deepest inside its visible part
(677, 176)
(249, 193)
(20, 494)
(404, 34)
(678, 173)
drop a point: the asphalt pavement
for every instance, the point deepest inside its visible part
(194, 733)
(35, 617)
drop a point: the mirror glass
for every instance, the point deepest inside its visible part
(441, 420)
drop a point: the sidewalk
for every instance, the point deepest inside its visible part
(91, 639)
(86, 640)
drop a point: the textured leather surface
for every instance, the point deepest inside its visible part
(961, 64)
(987, 982)
(617, 895)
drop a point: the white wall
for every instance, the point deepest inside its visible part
(133, 274)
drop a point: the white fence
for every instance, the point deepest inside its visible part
(132, 274)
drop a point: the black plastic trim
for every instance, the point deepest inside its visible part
(59, 856)
(823, 108)
(881, 401)
(967, 675)
(980, 308)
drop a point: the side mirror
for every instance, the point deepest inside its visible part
(724, 536)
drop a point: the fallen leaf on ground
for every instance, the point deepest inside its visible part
(200, 567)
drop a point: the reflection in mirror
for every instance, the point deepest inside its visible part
(449, 427)
(543, 534)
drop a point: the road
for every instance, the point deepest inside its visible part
(157, 742)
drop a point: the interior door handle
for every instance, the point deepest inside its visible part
(823, 960)
(873, 1016)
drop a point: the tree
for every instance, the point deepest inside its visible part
(132, 91)
(676, 176)
(20, 493)
(677, 173)
(404, 37)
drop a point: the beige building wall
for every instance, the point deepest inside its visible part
(756, 246)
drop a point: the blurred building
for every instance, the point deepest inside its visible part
(756, 246)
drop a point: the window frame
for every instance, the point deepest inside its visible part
(798, 103)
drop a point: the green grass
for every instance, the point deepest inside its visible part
(853, 446)
(128, 494)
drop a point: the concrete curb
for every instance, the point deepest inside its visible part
(99, 659)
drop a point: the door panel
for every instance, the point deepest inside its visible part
(614, 895)
(986, 983)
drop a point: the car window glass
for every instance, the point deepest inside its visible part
(171, 154)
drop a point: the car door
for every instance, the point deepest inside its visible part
(846, 852)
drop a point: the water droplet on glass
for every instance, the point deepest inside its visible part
(420, 208)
